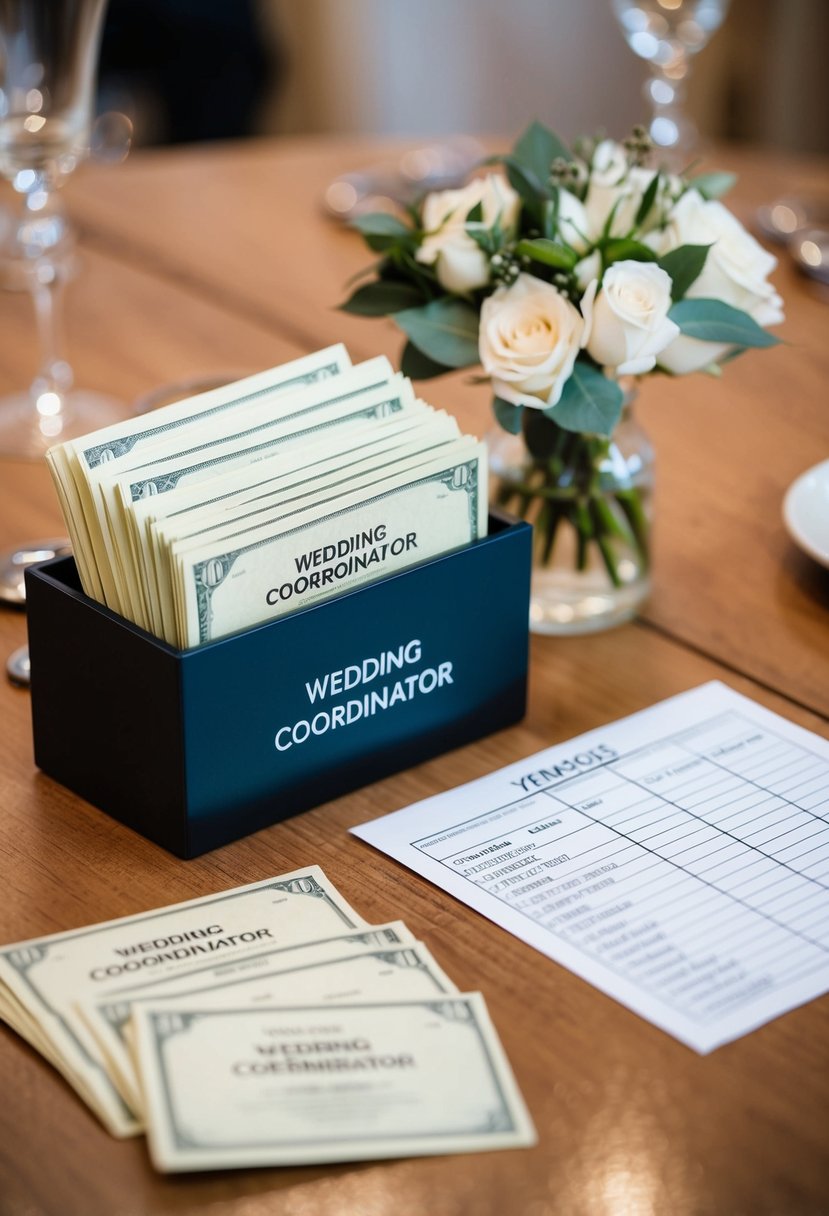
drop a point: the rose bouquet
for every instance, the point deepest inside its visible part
(567, 278)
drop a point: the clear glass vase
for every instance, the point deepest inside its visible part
(589, 501)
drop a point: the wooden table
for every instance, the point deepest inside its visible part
(201, 261)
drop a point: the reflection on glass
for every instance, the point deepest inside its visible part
(48, 57)
(667, 33)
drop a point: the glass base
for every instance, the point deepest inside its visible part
(25, 434)
(567, 602)
(179, 390)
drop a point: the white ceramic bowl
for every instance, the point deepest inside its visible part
(806, 512)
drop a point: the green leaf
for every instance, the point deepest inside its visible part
(713, 185)
(543, 438)
(380, 298)
(536, 150)
(531, 191)
(590, 403)
(486, 239)
(508, 415)
(648, 199)
(382, 231)
(475, 214)
(380, 223)
(532, 195)
(446, 330)
(714, 321)
(684, 265)
(623, 249)
(549, 253)
(417, 366)
(550, 211)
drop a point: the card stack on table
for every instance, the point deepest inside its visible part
(247, 502)
(265, 1025)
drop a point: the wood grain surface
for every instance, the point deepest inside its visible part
(246, 225)
(196, 262)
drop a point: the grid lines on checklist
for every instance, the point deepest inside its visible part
(725, 847)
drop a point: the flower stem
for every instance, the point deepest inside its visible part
(631, 503)
(579, 479)
(584, 532)
(600, 536)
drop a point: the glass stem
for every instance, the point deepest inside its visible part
(670, 129)
(46, 242)
(54, 375)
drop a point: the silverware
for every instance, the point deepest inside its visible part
(19, 668)
(387, 186)
(780, 220)
(810, 251)
(13, 592)
(13, 566)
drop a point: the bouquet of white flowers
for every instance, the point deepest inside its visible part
(577, 270)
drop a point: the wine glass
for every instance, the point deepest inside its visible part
(48, 60)
(667, 33)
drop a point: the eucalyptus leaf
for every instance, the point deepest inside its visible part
(417, 366)
(550, 211)
(508, 415)
(549, 253)
(625, 249)
(532, 195)
(648, 200)
(484, 238)
(529, 188)
(379, 223)
(524, 175)
(590, 403)
(714, 321)
(684, 265)
(713, 185)
(537, 148)
(445, 330)
(382, 231)
(382, 297)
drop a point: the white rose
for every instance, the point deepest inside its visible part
(528, 339)
(573, 223)
(614, 184)
(609, 164)
(736, 271)
(626, 323)
(460, 264)
(588, 269)
(625, 196)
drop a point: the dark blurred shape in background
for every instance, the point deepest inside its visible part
(187, 70)
(221, 69)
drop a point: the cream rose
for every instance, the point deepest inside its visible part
(573, 223)
(614, 184)
(626, 322)
(529, 338)
(460, 264)
(736, 271)
(588, 269)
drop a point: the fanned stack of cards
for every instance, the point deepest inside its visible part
(272, 494)
(267, 1025)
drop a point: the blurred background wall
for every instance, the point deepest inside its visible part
(207, 69)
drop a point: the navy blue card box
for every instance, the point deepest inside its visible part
(196, 748)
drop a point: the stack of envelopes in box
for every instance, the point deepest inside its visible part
(272, 494)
